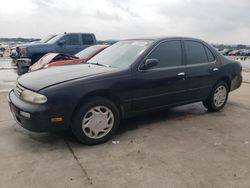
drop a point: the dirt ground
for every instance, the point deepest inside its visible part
(181, 147)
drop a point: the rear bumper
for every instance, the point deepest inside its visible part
(236, 82)
(33, 117)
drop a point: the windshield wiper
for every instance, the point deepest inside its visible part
(100, 64)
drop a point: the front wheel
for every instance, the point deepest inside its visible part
(21, 70)
(218, 97)
(96, 121)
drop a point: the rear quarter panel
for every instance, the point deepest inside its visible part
(232, 70)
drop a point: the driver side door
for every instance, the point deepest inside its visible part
(71, 44)
(164, 84)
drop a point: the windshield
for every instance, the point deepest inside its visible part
(121, 54)
(54, 39)
(88, 51)
(46, 39)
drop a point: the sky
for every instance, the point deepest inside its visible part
(216, 21)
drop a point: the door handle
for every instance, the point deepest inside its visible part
(215, 69)
(181, 74)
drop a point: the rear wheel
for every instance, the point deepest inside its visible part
(218, 97)
(96, 121)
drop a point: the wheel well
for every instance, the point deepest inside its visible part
(227, 80)
(102, 94)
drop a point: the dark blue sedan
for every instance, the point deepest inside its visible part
(126, 79)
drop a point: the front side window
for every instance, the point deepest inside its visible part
(195, 52)
(71, 40)
(168, 53)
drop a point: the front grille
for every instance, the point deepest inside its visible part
(18, 90)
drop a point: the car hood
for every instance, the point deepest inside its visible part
(66, 62)
(46, 77)
(36, 45)
(47, 58)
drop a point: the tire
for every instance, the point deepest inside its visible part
(21, 70)
(89, 119)
(220, 91)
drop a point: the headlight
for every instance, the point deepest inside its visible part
(33, 97)
(23, 51)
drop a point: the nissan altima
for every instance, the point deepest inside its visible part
(128, 78)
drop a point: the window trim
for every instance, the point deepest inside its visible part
(163, 68)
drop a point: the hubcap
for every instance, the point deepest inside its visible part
(97, 122)
(220, 96)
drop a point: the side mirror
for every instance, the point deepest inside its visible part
(61, 42)
(149, 63)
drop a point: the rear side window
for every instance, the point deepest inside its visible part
(71, 39)
(168, 53)
(210, 55)
(87, 39)
(195, 52)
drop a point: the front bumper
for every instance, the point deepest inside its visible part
(23, 62)
(39, 115)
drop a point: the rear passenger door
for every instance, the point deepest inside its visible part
(201, 69)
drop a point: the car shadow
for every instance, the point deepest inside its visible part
(177, 113)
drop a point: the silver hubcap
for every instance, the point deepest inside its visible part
(97, 122)
(220, 96)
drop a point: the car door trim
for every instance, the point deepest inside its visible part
(153, 96)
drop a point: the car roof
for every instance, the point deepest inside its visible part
(166, 38)
(77, 33)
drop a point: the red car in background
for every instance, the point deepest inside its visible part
(234, 53)
(57, 59)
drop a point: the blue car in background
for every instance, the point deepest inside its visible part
(67, 43)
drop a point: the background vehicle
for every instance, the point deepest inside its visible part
(46, 39)
(128, 78)
(14, 50)
(234, 53)
(245, 52)
(55, 59)
(225, 51)
(68, 43)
